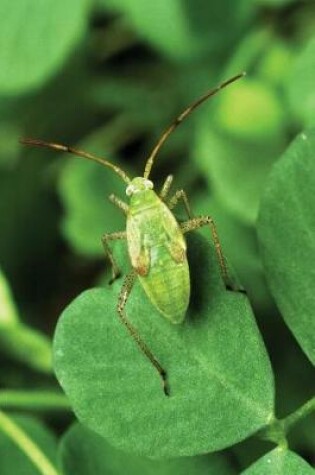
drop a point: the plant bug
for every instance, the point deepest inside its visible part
(155, 239)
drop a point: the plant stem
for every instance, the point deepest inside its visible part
(298, 415)
(30, 449)
(274, 433)
(278, 429)
(34, 400)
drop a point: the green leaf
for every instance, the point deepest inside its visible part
(235, 169)
(36, 39)
(276, 63)
(219, 373)
(301, 90)
(274, 3)
(237, 145)
(8, 310)
(240, 247)
(286, 231)
(27, 345)
(83, 452)
(13, 460)
(85, 188)
(280, 462)
(250, 110)
(18, 340)
(185, 29)
(10, 147)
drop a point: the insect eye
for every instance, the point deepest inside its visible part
(129, 190)
(148, 184)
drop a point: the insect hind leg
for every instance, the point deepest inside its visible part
(122, 300)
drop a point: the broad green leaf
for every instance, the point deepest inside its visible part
(85, 188)
(286, 230)
(185, 29)
(280, 462)
(301, 89)
(36, 37)
(8, 310)
(15, 462)
(83, 452)
(219, 373)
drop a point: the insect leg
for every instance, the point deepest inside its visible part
(119, 203)
(166, 187)
(180, 195)
(112, 237)
(200, 221)
(122, 300)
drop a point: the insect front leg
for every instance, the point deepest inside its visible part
(119, 203)
(197, 223)
(166, 187)
(112, 237)
(122, 300)
(180, 195)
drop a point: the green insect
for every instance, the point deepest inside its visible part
(155, 239)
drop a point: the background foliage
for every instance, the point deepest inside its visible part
(109, 76)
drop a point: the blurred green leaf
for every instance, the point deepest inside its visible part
(303, 437)
(240, 247)
(18, 340)
(280, 462)
(250, 110)
(15, 462)
(286, 230)
(185, 29)
(219, 373)
(89, 214)
(275, 3)
(27, 345)
(276, 63)
(36, 37)
(85, 188)
(295, 385)
(8, 310)
(10, 147)
(236, 147)
(301, 90)
(83, 452)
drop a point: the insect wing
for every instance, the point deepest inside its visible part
(175, 243)
(139, 254)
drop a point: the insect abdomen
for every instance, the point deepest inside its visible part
(167, 284)
(157, 250)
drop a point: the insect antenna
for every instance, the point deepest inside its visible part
(183, 116)
(79, 153)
